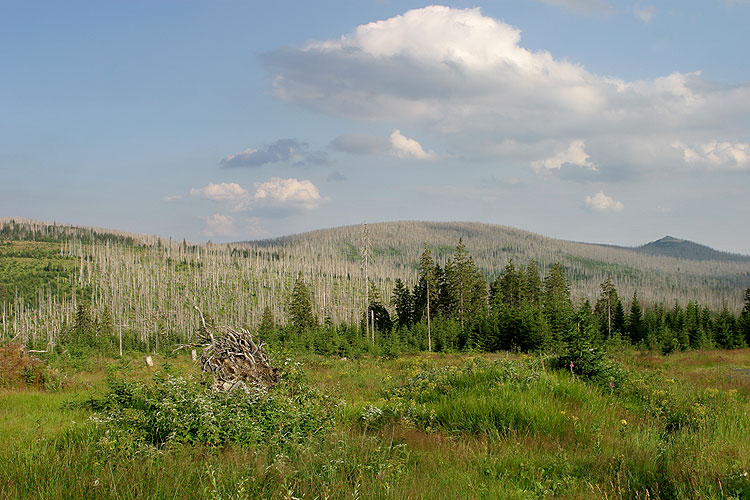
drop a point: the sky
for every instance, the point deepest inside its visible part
(587, 120)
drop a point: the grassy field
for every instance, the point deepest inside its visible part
(423, 426)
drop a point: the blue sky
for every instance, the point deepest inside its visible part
(590, 120)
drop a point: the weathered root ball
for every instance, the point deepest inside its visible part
(236, 360)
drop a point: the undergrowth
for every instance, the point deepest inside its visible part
(177, 409)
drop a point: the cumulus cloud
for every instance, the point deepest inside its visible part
(279, 196)
(223, 191)
(467, 79)
(219, 225)
(574, 155)
(716, 155)
(175, 197)
(646, 13)
(403, 147)
(275, 197)
(600, 202)
(280, 151)
(397, 145)
(583, 6)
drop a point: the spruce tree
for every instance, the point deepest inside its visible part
(745, 318)
(532, 284)
(467, 285)
(605, 306)
(618, 321)
(403, 301)
(558, 307)
(300, 308)
(267, 324)
(428, 278)
(635, 327)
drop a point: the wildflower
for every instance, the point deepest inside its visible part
(624, 422)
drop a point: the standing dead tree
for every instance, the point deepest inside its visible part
(234, 359)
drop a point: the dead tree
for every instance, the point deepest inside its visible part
(234, 359)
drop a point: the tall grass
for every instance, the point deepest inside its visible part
(448, 427)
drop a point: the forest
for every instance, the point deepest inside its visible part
(61, 284)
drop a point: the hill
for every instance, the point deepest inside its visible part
(684, 249)
(147, 285)
(396, 246)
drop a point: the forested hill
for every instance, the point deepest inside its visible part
(141, 281)
(658, 278)
(683, 249)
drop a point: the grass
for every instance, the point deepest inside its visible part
(422, 426)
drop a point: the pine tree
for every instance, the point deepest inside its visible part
(300, 308)
(693, 329)
(467, 285)
(532, 284)
(403, 301)
(605, 306)
(508, 287)
(635, 327)
(618, 321)
(558, 308)
(267, 324)
(84, 330)
(429, 279)
(745, 318)
(726, 333)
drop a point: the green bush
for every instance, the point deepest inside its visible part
(178, 409)
(581, 357)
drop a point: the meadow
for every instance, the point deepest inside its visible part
(418, 426)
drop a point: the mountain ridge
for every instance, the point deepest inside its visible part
(667, 246)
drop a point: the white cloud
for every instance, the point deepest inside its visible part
(224, 191)
(645, 14)
(175, 197)
(275, 197)
(600, 202)
(716, 155)
(573, 155)
(403, 147)
(285, 195)
(397, 145)
(465, 79)
(584, 6)
(219, 225)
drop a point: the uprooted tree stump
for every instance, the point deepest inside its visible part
(234, 358)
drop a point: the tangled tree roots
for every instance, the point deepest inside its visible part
(234, 359)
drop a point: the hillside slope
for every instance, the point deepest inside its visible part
(396, 247)
(684, 249)
(148, 285)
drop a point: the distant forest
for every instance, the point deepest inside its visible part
(383, 288)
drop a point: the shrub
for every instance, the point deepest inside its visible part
(178, 409)
(590, 362)
(18, 368)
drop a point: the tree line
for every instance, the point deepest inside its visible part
(453, 307)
